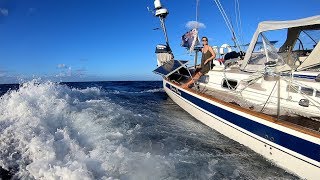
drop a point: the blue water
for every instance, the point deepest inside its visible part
(115, 130)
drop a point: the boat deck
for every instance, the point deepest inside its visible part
(307, 123)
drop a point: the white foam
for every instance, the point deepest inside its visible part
(153, 90)
(51, 131)
(139, 92)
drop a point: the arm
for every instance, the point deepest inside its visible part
(212, 57)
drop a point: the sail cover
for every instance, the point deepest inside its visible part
(170, 67)
(190, 39)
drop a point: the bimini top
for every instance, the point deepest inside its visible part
(275, 25)
(298, 25)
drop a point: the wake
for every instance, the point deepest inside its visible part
(49, 130)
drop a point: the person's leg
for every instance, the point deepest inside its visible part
(192, 80)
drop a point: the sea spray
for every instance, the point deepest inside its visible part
(87, 131)
(52, 131)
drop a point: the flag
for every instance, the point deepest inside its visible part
(190, 39)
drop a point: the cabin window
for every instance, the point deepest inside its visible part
(258, 53)
(306, 41)
(229, 83)
(264, 51)
(318, 94)
(293, 89)
(307, 91)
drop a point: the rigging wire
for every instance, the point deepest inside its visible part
(262, 109)
(238, 20)
(197, 13)
(228, 23)
(309, 36)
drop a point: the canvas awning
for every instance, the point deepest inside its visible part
(276, 25)
(312, 60)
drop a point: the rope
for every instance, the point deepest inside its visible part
(269, 96)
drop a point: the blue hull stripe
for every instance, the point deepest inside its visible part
(296, 144)
(301, 76)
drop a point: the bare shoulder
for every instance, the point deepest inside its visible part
(211, 49)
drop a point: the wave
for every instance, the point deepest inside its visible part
(153, 90)
(156, 90)
(52, 131)
(49, 130)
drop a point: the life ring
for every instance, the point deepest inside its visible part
(223, 47)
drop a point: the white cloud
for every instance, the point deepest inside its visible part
(62, 66)
(60, 75)
(65, 71)
(4, 12)
(195, 24)
(3, 73)
(81, 72)
(69, 72)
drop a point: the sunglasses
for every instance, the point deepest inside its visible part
(204, 40)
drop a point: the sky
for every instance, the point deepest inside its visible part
(110, 40)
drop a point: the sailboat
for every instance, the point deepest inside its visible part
(267, 99)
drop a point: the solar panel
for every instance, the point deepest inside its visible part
(170, 67)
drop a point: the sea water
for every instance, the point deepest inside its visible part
(114, 130)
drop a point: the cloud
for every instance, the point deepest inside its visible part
(3, 73)
(195, 24)
(60, 75)
(65, 70)
(62, 66)
(4, 12)
(69, 71)
(81, 72)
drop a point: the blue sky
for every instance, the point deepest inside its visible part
(82, 40)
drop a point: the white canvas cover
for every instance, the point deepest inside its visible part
(276, 25)
(312, 60)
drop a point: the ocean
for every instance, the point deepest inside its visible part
(114, 130)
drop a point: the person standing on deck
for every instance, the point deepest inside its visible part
(207, 56)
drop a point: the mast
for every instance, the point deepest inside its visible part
(197, 17)
(162, 13)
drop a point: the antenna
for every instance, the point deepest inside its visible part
(162, 13)
(150, 10)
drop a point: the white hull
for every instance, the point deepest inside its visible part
(295, 162)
